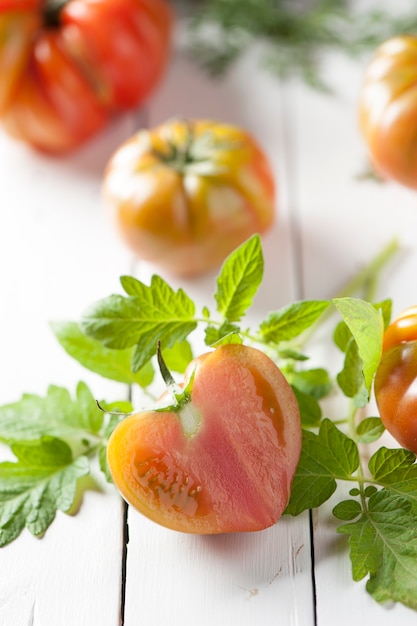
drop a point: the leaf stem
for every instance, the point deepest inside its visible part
(366, 280)
(367, 277)
(360, 475)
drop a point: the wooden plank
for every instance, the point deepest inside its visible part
(345, 222)
(57, 255)
(174, 578)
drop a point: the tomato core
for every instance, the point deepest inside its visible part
(52, 11)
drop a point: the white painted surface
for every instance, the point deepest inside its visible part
(58, 254)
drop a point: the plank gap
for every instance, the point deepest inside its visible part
(124, 563)
(313, 566)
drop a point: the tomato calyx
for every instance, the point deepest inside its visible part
(193, 152)
(52, 11)
(189, 417)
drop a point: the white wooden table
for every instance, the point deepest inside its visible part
(58, 254)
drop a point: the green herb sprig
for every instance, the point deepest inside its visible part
(54, 439)
(294, 34)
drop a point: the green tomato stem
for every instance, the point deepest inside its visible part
(367, 277)
(166, 374)
(366, 280)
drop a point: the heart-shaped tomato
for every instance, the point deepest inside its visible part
(223, 457)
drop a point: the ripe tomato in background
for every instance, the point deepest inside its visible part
(224, 458)
(188, 192)
(396, 379)
(388, 110)
(65, 68)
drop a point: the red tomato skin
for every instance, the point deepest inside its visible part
(59, 86)
(129, 49)
(396, 393)
(16, 31)
(187, 219)
(402, 329)
(234, 472)
(395, 382)
(46, 97)
(388, 110)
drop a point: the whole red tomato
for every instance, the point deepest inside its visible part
(396, 379)
(222, 459)
(188, 192)
(388, 110)
(65, 67)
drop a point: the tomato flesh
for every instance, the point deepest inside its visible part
(230, 466)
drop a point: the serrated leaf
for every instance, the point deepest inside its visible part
(56, 414)
(239, 279)
(228, 339)
(41, 481)
(370, 429)
(155, 313)
(383, 545)
(396, 470)
(114, 321)
(366, 325)
(292, 320)
(94, 356)
(385, 461)
(326, 457)
(214, 334)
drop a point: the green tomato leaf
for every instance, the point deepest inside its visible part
(383, 545)
(315, 382)
(292, 320)
(370, 429)
(347, 510)
(151, 314)
(42, 480)
(396, 470)
(326, 457)
(386, 311)
(291, 354)
(214, 334)
(91, 354)
(227, 339)
(239, 279)
(178, 357)
(342, 336)
(102, 460)
(310, 410)
(350, 379)
(57, 415)
(365, 322)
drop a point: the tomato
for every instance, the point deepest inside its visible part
(186, 193)
(65, 71)
(396, 379)
(223, 459)
(388, 110)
